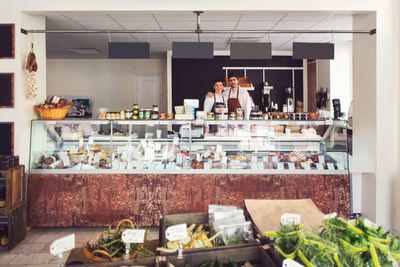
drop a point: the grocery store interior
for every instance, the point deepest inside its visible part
(105, 121)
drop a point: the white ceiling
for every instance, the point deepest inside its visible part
(58, 43)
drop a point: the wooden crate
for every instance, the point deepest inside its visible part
(15, 187)
(257, 256)
(15, 220)
(190, 218)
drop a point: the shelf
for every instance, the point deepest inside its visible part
(245, 88)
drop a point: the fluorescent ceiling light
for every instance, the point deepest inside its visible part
(84, 51)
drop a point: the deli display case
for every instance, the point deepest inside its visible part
(170, 146)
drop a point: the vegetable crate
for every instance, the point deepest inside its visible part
(255, 255)
(15, 222)
(147, 262)
(15, 187)
(193, 218)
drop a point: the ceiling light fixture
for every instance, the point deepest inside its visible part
(84, 51)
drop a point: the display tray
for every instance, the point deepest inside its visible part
(193, 218)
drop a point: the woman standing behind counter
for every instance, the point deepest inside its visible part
(217, 97)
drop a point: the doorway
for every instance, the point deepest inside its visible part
(148, 90)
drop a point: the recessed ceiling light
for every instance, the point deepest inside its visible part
(84, 51)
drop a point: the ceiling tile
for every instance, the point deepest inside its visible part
(302, 15)
(294, 25)
(115, 35)
(133, 16)
(139, 25)
(218, 25)
(87, 16)
(216, 35)
(175, 15)
(100, 25)
(63, 25)
(261, 16)
(56, 17)
(255, 25)
(220, 16)
(178, 25)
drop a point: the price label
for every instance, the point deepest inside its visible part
(206, 154)
(130, 165)
(319, 166)
(176, 141)
(115, 165)
(122, 165)
(80, 142)
(143, 143)
(149, 154)
(321, 159)
(290, 218)
(198, 157)
(224, 160)
(133, 236)
(291, 263)
(331, 166)
(307, 166)
(97, 157)
(291, 166)
(280, 166)
(157, 146)
(219, 148)
(65, 159)
(340, 166)
(176, 232)
(292, 159)
(274, 159)
(91, 140)
(329, 122)
(206, 165)
(179, 158)
(90, 157)
(62, 245)
(217, 156)
(330, 216)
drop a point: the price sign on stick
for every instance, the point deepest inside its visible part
(176, 232)
(135, 236)
(290, 218)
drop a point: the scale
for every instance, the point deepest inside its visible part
(289, 99)
(266, 97)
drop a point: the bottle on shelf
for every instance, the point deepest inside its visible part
(3, 235)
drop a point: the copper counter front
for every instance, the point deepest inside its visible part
(65, 200)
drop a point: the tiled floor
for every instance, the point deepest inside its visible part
(35, 249)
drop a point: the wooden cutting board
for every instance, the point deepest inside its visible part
(266, 214)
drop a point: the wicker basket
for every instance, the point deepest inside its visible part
(53, 113)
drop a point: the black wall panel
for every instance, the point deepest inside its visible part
(193, 78)
(6, 137)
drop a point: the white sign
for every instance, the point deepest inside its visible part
(143, 142)
(321, 159)
(176, 232)
(62, 245)
(340, 166)
(179, 158)
(291, 166)
(224, 160)
(91, 139)
(219, 148)
(290, 218)
(292, 159)
(80, 142)
(291, 263)
(198, 157)
(307, 166)
(330, 166)
(97, 157)
(319, 166)
(330, 216)
(280, 166)
(274, 159)
(149, 154)
(135, 236)
(176, 141)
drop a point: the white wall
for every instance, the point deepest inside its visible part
(110, 82)
(323, 77)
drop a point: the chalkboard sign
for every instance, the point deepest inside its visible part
(7, 41)
(6, 90)
(6, 137)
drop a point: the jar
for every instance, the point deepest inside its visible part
(128, 114)
(135, 117)
(154, 115)
(221, 116)
(163, 116)
(284, 108)
(170, 116)
(108, 116)
(232, 116)
(112, 116)
(154, 108)
(135, 106)
(147, 114)
(116, 116)
(220, 108)
(210, 116)
(135, 111)
(239, 116)
(122, 115)
(141, 114)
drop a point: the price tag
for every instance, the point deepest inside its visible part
(150, 143)
(179, 159)
(157, 146)
(290, 218)
(130, 165)
(97, 157)
(291, 166)
(291, 263)
(274, 159)
(55, 99)
(307, 166)
(149, 154)
(91, 140)
(260, 165)
(62, 245)
(133, 236)
(115, 165)
(329, 122)
(321, 159)
(198, 157)
(292, 159)
(280, 166)
(122, 165)
(90, 157)
(176, 232)
(340, 166)
(143, 143)
(330, 216)
(224, 160)
(219, 148)
(176, 141)
(253, 159)
(65, 159)
(319, 166)
(217, 156)
(331, 166)
(80, 142)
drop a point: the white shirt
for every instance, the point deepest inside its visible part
(245, 100)
(209, 102)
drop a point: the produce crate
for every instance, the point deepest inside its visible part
(15, 220)
(15, 187)
(190, 218)
(257, 256)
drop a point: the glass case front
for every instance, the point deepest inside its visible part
(169, 146)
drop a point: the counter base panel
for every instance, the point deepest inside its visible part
(87, 200)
